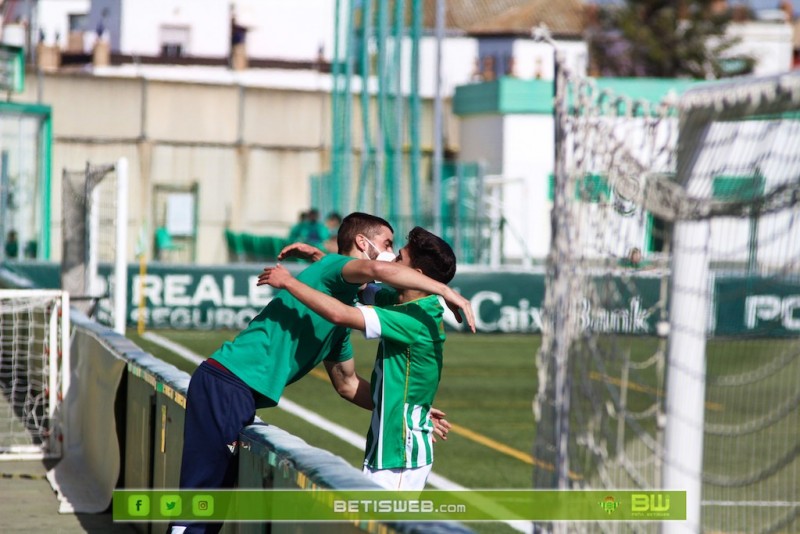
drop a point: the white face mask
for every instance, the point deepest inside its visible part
(386, 255)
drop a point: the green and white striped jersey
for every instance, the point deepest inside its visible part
(407, 371)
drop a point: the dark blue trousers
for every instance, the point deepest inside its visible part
(218, 406)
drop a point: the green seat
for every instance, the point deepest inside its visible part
(277, 244)
(262, 247)
(163, 242)
(249, 244)
(235, 243)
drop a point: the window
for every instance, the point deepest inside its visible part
(174, 40)
(78, 22)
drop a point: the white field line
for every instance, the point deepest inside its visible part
(345, 434)
(178, 349)
(763, 504)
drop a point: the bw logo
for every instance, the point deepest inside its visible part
(609, 504)
(649, 502)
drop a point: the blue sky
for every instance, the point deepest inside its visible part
(770, 4)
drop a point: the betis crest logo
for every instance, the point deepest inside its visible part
(609, 504)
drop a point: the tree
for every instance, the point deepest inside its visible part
(664, 39)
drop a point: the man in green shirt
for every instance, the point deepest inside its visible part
(281, 345)
(408, 365)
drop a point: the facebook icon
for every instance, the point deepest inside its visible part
(139, 505)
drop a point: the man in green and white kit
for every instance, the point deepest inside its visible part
(408, 365)
(281, 345)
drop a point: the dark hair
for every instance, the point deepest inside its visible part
(431, 254)
(359, 223)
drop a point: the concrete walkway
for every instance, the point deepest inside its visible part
(29, 504)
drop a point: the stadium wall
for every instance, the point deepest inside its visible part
(124, 418)
(510, 301)
(249, 154)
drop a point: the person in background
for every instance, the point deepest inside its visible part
(309, 230)
(315, 232)
(296, 231)
(635, 260)
(12, 245)
(332, 223)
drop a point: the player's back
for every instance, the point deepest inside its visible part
(286, 340)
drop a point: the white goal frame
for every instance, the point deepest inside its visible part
(58, 377)
(119, 269)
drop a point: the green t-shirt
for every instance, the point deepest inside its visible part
(407, 371)
(286, 340)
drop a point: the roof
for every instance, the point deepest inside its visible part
(509, 17)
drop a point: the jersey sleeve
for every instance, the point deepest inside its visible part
(326, 276)
(372, 325)
(399, 327)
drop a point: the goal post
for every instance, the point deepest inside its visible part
(677, 369)
(96, 234)
(34, 372)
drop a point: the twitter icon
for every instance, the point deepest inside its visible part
(170, 505)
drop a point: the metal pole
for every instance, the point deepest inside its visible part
(380, 135)
(343, 194)
(336, 89)
(121, 259)
(397, 149)
(92, 196)
(416, 108)
(367, 150)
(5, 184)
(437, 122)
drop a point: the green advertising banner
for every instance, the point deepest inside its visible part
(757, 307)
(226, 296)
(382, 505)
(205, 298)
(511, 302)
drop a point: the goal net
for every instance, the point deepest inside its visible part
(94, 262)
(34, 372)
(676, 365)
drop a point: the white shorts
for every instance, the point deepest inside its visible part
(407, 479)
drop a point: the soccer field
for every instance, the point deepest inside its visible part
(487, 388)
(488, 384)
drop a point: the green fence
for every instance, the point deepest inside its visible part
(464, 222)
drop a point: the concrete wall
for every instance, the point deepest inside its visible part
(249, 150)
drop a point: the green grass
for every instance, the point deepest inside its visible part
(489, 382)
